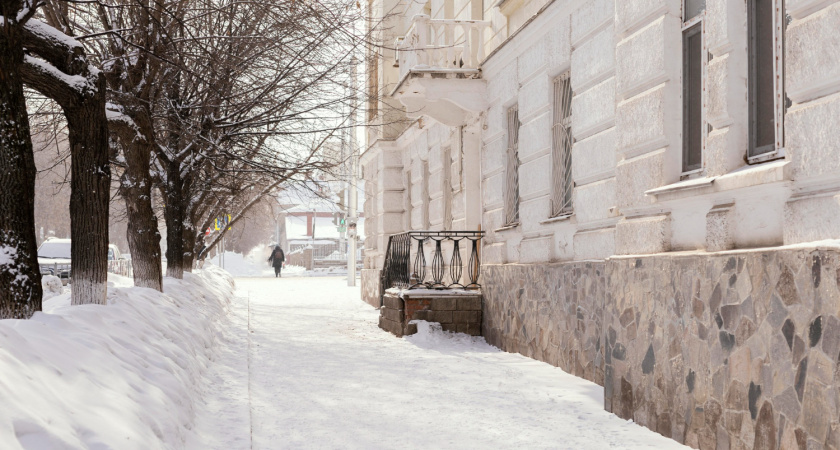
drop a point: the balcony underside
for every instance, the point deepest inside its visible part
(450, 96)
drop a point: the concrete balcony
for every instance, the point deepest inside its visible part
(439, 64)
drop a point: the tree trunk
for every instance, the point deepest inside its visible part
(175, 213)
(143, 234)
(189, 246)
(89, 197)
(20, 276)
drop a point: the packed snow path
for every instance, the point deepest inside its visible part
(321, 374)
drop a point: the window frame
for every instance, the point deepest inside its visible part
(561, 184)
(511, 193)
(779, 97)
(696, 21)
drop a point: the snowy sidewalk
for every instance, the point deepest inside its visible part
(323, 375)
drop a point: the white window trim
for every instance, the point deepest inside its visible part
(704, 124)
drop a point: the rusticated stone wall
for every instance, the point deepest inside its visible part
(370, 286)
(727, 351)
(549, 312)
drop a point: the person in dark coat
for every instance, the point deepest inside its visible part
(276, 259)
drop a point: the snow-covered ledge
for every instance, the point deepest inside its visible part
(747, 176)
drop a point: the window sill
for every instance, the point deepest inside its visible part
(746, 176)
(560, 218)
(506, 227)
(769, 156)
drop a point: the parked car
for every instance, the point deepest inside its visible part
(114, 253)
(119, 263)
(54, 259)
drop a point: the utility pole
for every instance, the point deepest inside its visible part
(352, 216)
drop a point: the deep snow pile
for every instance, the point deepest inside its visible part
(126, 375)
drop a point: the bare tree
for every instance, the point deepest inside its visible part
(56, 65)
(20, 277)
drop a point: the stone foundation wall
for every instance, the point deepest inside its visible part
(370, 286)
(454, 312)
(549, 312)
(727, 351)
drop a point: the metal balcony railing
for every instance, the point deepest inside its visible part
(407, 269)
(441, 45)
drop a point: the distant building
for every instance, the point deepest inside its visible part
(659, 182)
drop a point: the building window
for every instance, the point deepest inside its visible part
(765, 77)
(512, 168)
(561, 147)
(692, 81)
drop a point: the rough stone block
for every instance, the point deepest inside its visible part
(590, 17)
(594, 109)
(444, 304)
(593, 59)
(504, 84)
(532, 59)
(534, 99)
(594, 155)
(449, 327)
(474, 329)
(719, 228)
(642, 121)
(594, 201)
(469, 303)
(811, 137)
(466, 317)
(812, 219)
(410, 329)
(494, 188)
(395, 315)
(535, 177)
(645, 56)
(635, 14)
(811, 68)
(442, 317)
(395, 328)
(643, 236)
(392, 301)
(634, 177)
(596, 244)
(536, 250)
(422, 315)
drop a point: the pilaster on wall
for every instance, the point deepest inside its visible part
(727, 108)
(647, 91)
(382, 172)
(812, 73)
(593, 70)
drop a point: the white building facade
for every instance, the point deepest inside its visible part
(659, 184)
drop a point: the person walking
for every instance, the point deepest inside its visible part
(276, 259)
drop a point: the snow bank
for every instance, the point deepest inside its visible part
(251, 265)
(430, 335)
(126, 375)
(51, 285)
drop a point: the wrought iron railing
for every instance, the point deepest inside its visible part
(408, 255)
